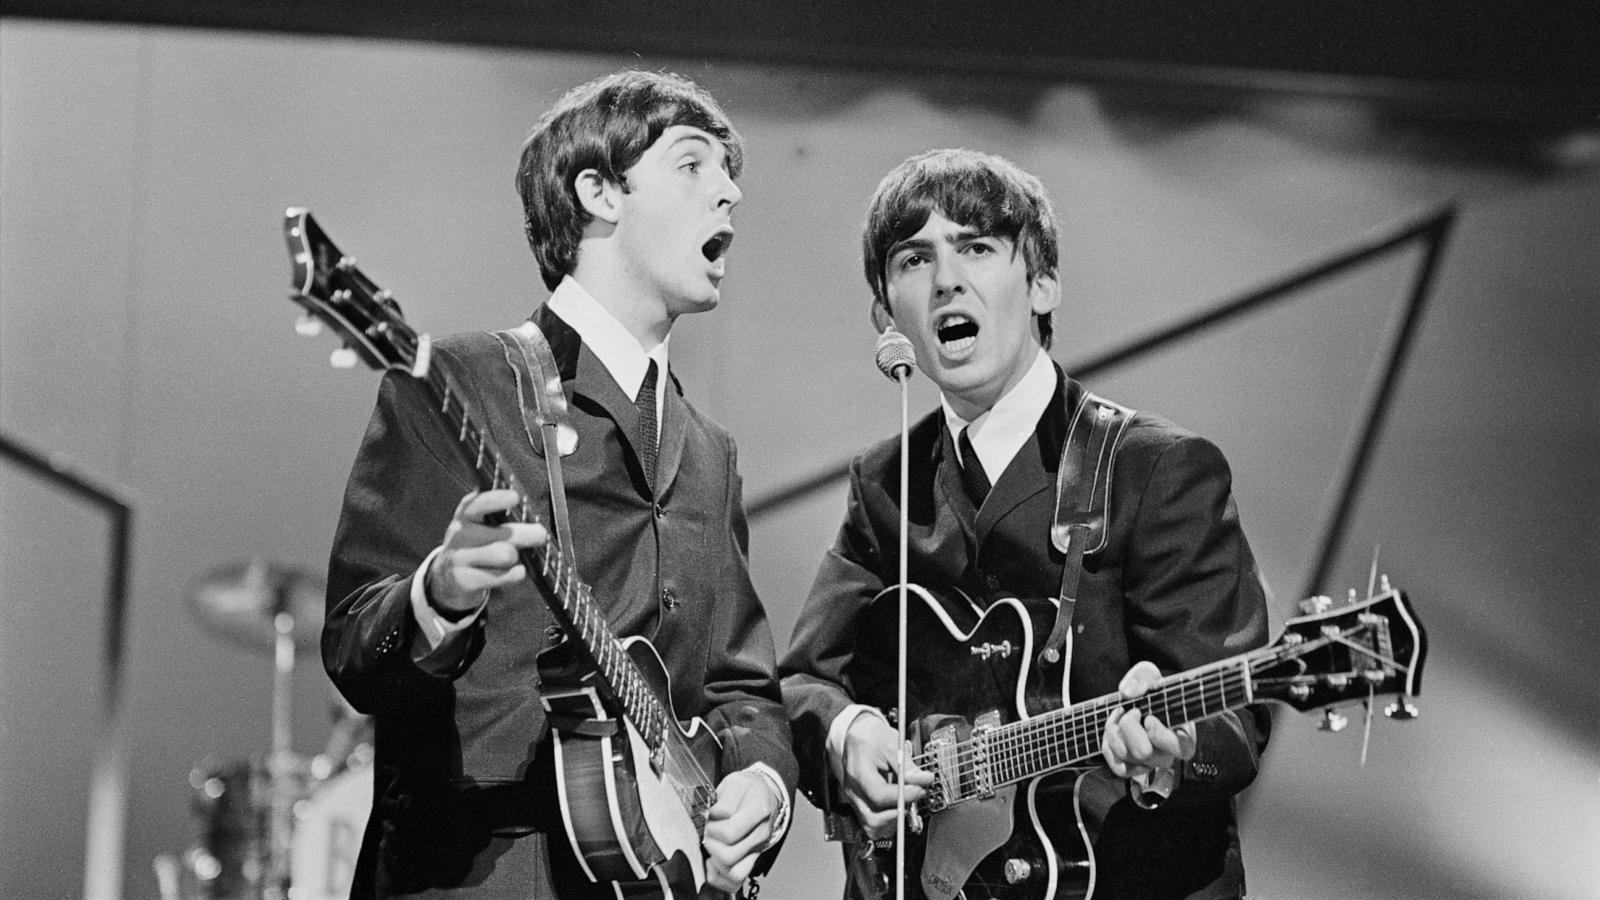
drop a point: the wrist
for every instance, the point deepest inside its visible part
(779, 821)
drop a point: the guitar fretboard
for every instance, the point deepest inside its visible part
(1061, 738)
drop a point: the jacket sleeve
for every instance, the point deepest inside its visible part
(815, 670)
(1194, 596)
(404, 487)
(744, 706)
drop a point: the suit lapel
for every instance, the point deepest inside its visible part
(1033, 469)
(1025, 477)
(674, 430)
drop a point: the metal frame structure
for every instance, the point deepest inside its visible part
(108, 785)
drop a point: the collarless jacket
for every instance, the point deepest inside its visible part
(463, 802)
(1175, 584)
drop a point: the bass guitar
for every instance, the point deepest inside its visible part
(991, 734)
(633, 780)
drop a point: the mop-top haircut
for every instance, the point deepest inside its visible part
(605, 125)
(981, 191)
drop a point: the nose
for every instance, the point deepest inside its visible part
(948, 277)
(728, 193)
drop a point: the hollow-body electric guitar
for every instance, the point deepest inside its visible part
(992, 734)
(633, 780)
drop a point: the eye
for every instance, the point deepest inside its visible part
(980, 248)
(690, 165)
(909, 260)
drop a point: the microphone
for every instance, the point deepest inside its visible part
(895, 356)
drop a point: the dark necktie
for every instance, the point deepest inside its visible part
(973, 478)
(646, 405)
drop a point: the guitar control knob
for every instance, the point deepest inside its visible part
(342, 358)
(1019, 870)
(1401, 710)
(1332, 721)
(308, 325)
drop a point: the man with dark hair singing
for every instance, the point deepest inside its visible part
(1059, 548)
(434, 624)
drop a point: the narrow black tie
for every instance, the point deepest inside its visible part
(973, 478)
(646, 405)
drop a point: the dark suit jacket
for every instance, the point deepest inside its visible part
(463, 803)
(1176, 584)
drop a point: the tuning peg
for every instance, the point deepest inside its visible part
(343, 358)
(1332, 720)
(1401, 710)
(308, 325)
(1313, 605)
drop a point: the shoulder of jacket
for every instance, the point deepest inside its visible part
(885, 453)
(1151, 438)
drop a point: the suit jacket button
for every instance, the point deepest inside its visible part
(553, 632)
(660, 511)
(669, 599)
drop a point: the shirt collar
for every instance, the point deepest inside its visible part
(608, 339)
(1002, 429)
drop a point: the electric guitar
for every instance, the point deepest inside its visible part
(991, 734)
(633, 782)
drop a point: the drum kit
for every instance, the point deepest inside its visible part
(278, 826)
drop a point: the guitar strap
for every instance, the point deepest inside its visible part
(549, 415)
(1083, 503)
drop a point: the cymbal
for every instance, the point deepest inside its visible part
(240, 602)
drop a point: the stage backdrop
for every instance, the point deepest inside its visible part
(145, 335)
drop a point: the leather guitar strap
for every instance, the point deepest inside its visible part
(548, 415)
(1083, 503)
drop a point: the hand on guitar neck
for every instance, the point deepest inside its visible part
(477, 555)
(1137, 745)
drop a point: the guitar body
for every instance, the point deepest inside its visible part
(976, 668)
(624, 812)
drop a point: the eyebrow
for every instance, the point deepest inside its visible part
(964, 233)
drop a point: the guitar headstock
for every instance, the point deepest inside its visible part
(336, 293)
(1346, 654)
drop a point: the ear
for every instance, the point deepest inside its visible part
(1044, 294)
(596, 195)
(882, 319)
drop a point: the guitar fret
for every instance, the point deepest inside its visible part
(1060, 738)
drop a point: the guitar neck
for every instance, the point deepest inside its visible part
(1066, 737)
(569, 598)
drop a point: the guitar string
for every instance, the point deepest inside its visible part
(1018, 750)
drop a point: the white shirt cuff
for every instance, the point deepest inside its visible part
(836, 732)
(436, 630)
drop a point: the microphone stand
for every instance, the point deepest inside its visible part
(903, 377)
(897, 360)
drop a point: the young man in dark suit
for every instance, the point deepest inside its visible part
(961, 254)
(434, 626)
